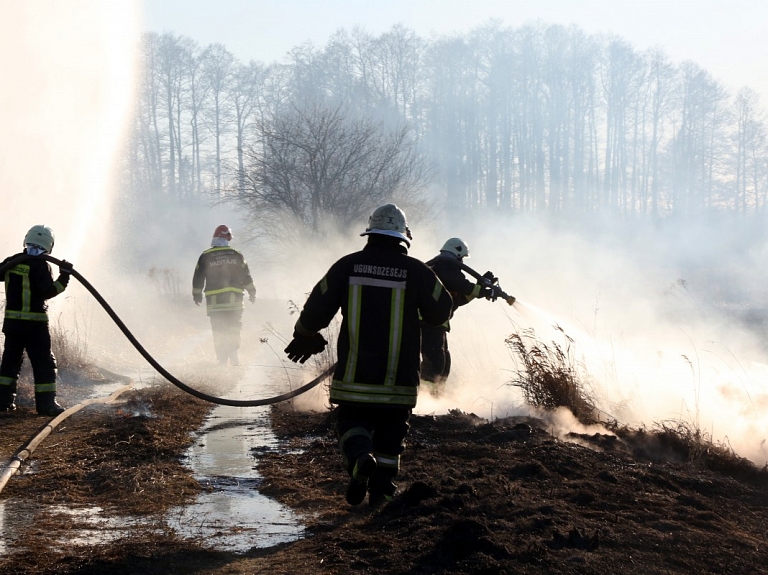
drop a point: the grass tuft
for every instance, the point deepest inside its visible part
(550, 377)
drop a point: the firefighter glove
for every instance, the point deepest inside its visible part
(65, 267)
(252, 297)
(489, 279)
(198, 298)
(302, 347)
(487, 292)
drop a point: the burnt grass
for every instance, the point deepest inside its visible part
(475, 497)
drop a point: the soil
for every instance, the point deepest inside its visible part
(475, 497)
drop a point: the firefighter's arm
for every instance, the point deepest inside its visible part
(305, 344)
(198, 282)
(435, 302)
(43, 282)
(323, 303)
(248, 282)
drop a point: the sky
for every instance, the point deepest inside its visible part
(729, 38)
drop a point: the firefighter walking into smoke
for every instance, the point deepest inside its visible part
(222, 275)
(28, 286)
(436, 358)
(381, 291)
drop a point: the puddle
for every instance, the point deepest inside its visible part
(233, 515)
(12, 516)
(230, 515)
(89, 526)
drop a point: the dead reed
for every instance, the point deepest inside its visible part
(549, 375)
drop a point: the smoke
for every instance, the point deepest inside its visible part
(667, 320)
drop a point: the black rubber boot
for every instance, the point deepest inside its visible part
(7, 399)
(381, 487)
(46, 404)
(365, 466)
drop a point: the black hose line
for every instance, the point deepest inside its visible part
(160, 369)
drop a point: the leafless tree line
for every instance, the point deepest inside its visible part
(538, 118)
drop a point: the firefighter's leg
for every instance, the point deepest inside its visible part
(234, 327)
(219, 330)
(447, 355)
(391, 429)
(44, 370)
(10, 367)
(356, 445)
(432, 357)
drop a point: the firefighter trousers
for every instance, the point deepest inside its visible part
(226, 326)
(435, 357)
(377, 430)
(34, 338)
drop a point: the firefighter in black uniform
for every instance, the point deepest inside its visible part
(381, 291)
(222, 275)
(27, 287)
(436, 359)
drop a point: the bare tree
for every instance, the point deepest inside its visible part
(247, 87)
(750, 151)
(218, 67)
(317, 164)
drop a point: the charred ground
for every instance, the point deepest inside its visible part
(476, 497)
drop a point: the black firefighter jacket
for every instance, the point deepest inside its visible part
(462, 290)
(28, 285)
(381, 292)
(223, 273)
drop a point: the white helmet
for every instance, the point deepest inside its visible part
(389, 220)
(40, 236)
(457, 247)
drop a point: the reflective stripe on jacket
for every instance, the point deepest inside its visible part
(27, 287)
(222, 274)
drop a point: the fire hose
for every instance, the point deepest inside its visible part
(153, 362)
(492, 283)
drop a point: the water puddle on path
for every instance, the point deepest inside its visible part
(230, 515)
(233, 515)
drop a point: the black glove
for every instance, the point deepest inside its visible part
(304, 346)
(487, 292)
(65, 267)
(198, 298)
(488, 279)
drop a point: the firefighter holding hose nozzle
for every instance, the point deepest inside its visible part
(450, 268)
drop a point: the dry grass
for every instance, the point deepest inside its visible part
(128, 458)
(550, 376)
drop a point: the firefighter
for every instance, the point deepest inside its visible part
(436, 359)
(222, 274)
(381, 291)
(27, 287)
